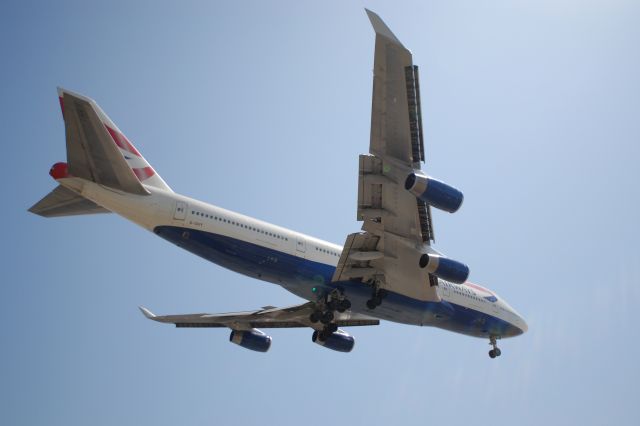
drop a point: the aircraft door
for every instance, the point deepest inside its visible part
(181, 210)
(446, 290)
(301, 246)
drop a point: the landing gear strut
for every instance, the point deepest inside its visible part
(495, 351)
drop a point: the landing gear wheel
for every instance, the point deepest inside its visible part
(343, 306)
(376, 297)
(493, 341)
(332, 328)
(315, 316)
(327, 317)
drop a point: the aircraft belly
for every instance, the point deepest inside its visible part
(307, 279)
(247, 258)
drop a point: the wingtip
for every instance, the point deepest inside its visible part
(381, 28)
(147, 313)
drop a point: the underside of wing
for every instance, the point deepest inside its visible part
(291, 317)
(396, 147)
(397, 225)
(245, 326)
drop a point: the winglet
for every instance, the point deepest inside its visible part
(147, 313)
(381, 28)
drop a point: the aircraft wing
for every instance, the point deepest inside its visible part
(267, 317)
(396, 224)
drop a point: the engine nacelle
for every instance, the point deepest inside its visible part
(340, 341)
(445, 268)
(253, 339)
(433, 192)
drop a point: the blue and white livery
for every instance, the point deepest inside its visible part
(388, 270)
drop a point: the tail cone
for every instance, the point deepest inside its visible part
(59, 171)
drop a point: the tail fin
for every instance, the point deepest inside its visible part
(97, 150)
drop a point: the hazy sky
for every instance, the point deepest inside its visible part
(532, 108)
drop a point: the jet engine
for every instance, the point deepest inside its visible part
(445, 268)
(253, 339)
(433, 192)
(339, 341)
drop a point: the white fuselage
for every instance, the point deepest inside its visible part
(298, 262)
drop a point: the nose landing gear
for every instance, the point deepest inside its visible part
(495, 351)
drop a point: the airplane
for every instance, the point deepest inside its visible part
(387, 271)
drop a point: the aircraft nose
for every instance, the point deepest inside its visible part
(523, 325)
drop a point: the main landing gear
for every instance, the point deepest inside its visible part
(325, 312)
(376, 297)
(495, 351)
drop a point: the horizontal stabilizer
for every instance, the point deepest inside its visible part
(64, 202)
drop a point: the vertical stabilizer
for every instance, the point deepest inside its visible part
(98, 150)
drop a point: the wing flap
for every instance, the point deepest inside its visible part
(360, 249)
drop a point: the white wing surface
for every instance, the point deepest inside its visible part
(397, 226)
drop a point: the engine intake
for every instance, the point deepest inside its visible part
(253, 339)
(445, 268)
(340, 341)
(433, 192)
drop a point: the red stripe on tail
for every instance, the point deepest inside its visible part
(143, 173)
(122, 141)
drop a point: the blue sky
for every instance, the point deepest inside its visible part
(531, 108)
